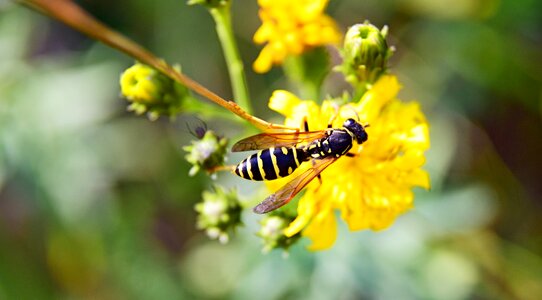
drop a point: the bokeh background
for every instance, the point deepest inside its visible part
(96, 203)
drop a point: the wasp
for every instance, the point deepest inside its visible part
(282, 153)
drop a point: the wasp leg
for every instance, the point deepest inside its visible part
(319, 175)
(320, 180)
(330, 123)
(305, 124)
(215, 169)
(350, 155)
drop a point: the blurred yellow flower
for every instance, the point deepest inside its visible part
(141, 83)
(152, 92)
(290, 28)
(372, 188)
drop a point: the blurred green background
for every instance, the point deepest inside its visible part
(96, 203)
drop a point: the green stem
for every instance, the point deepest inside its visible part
(235, 65)
(295, 69)
(207, 110)
(359, 90)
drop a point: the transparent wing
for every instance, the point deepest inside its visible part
(289, 190)
(283, 139)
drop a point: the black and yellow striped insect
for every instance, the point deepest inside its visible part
(282, 153)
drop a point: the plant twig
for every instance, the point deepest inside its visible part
(71, 14)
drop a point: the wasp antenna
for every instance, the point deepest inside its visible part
(332, 119)
(355, 112)
(336, 107)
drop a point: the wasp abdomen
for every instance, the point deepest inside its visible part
(271, 163)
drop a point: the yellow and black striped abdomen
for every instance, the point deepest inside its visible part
(271, 163)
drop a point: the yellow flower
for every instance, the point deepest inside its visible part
(290, 28)
(141, 83)
(152, 92)
(373, 188)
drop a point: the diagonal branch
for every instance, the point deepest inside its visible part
(71, 14)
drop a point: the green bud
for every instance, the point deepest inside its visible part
(272, 231)
(151, 92)
(365, 53)
(219, 213)
(207, 153)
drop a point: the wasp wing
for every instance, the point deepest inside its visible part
(289, 190)
(283, 139)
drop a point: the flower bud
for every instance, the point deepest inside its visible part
(206, 153)
(151, 92)
(365, 53)
(219, 213)
(272, 231)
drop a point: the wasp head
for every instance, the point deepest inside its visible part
(357, 129)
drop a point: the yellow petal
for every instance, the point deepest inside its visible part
(309, 111)
(383, 91)
(355, 218)
(263, 34)
(419, 135)
(312, 10)
(322, 231)
(379, 220)
(305, 211)
(283, 102)
(265, 3)
(410, 160)
(419, 177)
(264, 61)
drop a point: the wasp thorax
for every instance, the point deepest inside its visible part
(357, 129)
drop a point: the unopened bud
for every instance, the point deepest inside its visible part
(207, 153)
(365, 53)
(272, 232)
(219, 213)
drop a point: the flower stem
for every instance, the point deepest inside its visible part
(222, 17)
(294, 68)
(308, 71)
